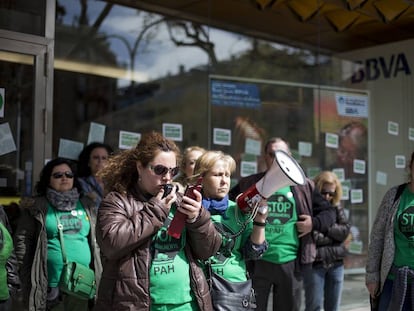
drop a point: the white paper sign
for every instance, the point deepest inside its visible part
(96, 133)
(399, 161)
(128, 140)
(411, 133)
(352, 105)
(172, 131)
(69, 149)
(345, 193)
(6, 139)
(357, 196)
(340, 172)
(331, 140)
(305, 148)
(381, 178)
(359, 166)
(393, 128)
(253, 146)
(222, 137)
(248, 168)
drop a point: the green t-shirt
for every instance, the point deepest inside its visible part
(5, 251)
(232, 268)
(76, 228)
(281, 233)
(404, 231)
(170, 270)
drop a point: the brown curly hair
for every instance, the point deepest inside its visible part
(121, 174)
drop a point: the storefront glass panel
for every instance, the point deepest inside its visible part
(23, 16)
(131, 71)
(16, 128)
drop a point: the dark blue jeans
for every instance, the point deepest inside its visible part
(386, 295)
(323, 288)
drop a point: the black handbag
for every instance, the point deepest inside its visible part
(230, 296)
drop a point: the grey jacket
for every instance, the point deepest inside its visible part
(31, 249)
(381, 248)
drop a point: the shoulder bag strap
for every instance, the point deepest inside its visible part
(400, 190)
(62, 245)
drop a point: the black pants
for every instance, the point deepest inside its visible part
(286, 286)
(5, 305)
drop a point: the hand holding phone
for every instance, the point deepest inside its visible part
(178, 222)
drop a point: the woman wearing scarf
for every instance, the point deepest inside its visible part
(242, 238)
(38, 246)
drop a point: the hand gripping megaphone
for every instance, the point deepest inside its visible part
(285, 171)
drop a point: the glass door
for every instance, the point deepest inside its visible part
(24, 109)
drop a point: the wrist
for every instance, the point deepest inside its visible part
(260, 223)
(193, 219)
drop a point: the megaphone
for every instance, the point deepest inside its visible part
(285, 171)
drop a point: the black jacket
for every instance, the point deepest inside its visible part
(330, 248)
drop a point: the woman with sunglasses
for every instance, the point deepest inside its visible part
(323, 283)
(144, 268)
(38, 245)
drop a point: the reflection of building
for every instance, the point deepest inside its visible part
(64, 64)
(82, 97)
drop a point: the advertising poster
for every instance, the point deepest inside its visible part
(345, 118)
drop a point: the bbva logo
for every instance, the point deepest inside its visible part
(373, 68)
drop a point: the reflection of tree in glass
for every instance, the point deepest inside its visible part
(184, 33)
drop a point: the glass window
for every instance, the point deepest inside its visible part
(135, 71)
(23, 16)
(16, 127)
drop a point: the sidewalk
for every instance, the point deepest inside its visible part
(354, 294)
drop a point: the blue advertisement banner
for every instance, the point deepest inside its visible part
(235, 94)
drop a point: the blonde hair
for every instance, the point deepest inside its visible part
(328, 177)
(182, 178)
(207, 160)
(186, 152)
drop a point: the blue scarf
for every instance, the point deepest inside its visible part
(216, 206)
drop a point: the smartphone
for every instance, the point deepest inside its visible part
(189, 191)
(167, 190)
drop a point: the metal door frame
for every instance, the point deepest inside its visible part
(42, 51)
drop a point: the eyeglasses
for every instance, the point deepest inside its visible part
(330, 193)
(58, 175)
(162, 170)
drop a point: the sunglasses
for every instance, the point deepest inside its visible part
(330, 193)
(162, 170)
(58, 175)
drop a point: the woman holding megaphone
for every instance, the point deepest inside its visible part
(243, 234)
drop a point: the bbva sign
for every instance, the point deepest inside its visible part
(374, 68)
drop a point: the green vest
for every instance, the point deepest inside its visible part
(5, 252)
